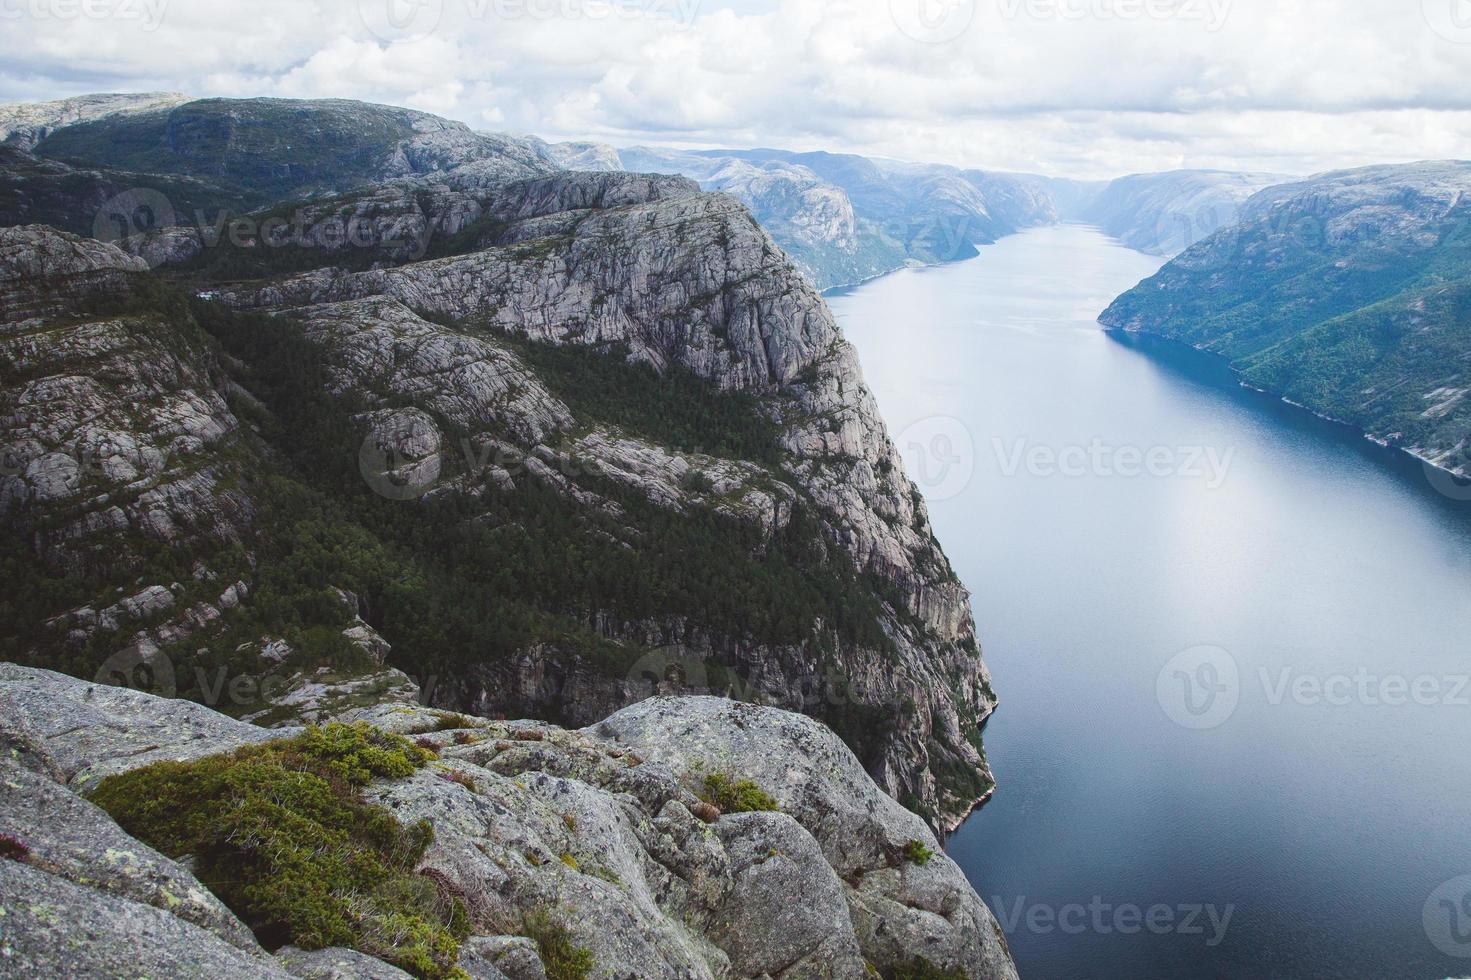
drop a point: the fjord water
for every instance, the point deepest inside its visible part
(1326, 826)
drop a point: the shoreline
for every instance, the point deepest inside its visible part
(1358, 430)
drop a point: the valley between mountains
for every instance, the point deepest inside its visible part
(522, 507)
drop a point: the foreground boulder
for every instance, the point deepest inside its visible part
(604, 839)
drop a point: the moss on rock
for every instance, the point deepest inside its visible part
(281, 835)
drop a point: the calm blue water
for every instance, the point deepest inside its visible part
(1323, 822)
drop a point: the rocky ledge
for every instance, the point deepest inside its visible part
(605, 826)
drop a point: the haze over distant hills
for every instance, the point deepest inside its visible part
(844, 217)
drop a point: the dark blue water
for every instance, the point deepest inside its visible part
(1236, 687)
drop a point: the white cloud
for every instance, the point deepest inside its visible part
(1088, 87)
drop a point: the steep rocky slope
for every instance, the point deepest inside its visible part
(686, 281)
(555, 441)
(1349, 293)
(602, 832)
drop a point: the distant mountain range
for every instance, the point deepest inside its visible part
(843, 218)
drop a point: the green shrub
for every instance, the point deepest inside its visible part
(736, 796)
(920, 968)
(562, 960)
(280, 833)
(915, 852)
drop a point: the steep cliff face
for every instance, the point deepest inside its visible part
(1346, 293)
(564, 439)
(605, 837)
(682, 280)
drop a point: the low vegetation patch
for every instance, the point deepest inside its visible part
(915, 852)
(733, 795)
(920, 968)
(280, 832)
(460, 778)
(13, 848)
(562, 959)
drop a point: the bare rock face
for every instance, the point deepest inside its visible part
(603, 828)
(78, 732)
(54, 928)
(70, 838)
(900, 909)
(112, 421)
(44, 271)
(686, 279)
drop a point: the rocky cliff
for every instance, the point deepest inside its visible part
(592, 853)
(1346, 293)
(554, 440)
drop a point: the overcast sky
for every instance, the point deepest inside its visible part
(1088, 88)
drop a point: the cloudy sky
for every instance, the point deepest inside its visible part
(1088, 88)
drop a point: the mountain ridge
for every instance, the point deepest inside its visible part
(1345, 293)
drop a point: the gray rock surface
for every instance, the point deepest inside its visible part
(70, 838)
(595, 830)
(502, 958)
(679, 278)
(82, 732)
(335, 963)
(54, 928)
(928, 910)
